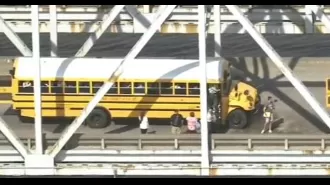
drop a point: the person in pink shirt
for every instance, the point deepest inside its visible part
(192, 123)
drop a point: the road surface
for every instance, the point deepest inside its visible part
(176, 45)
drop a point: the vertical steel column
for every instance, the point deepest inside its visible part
(36, 82)
(217, 31)
(53, 30)
(320, 14)
(146, 8)
(274, 56)
(205, 161)
(69, 131)
(309, 21)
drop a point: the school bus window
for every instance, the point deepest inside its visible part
(166, 88)
(139, 88)
(194, 88)
(213, 84)
(96, 86)
(25, 86)
(5, 83)
(56, 87)
(44, 87)
(153, 88)
(70, 87)
(113, 89)
(180, 88)
(328, 82)
(84, 87)
(125, 88)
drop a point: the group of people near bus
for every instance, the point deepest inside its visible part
(177, 122)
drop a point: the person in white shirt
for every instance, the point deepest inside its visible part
(144, 123)
(269, 109)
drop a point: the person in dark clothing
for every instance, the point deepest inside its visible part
(214, 100)
(176, 122)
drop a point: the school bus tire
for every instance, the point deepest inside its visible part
(98, 118)
(237, 119)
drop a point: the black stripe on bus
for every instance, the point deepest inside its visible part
(117, 102)
(59, 97)
(114, 95)
(58, 108)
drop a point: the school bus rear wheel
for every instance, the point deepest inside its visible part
(98, 118)
(237, 119)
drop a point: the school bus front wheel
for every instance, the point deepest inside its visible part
(237, 119)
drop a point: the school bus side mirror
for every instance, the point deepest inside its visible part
(12, 72)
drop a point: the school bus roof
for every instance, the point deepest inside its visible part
(102, 68)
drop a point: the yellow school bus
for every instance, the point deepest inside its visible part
(157, 86)
(327, 92)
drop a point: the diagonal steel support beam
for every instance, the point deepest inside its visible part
(134, 12)
(69, 131)
(99, 31)
(13, 138)
(14, 38)
(275, 57)
(320, 14)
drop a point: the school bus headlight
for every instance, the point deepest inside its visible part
(246, 92)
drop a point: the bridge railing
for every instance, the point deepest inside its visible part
(186, 142)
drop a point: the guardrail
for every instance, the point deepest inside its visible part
(98, 153)
(185, 141)
(176, 16)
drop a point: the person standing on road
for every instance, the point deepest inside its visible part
(176, 122)
(268, 110)
(214, 100)
(144, 123)
(192, 123)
